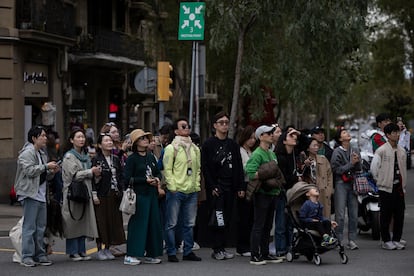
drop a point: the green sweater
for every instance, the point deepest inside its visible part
(259, 157)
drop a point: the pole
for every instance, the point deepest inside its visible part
(197, 90)
(190, 113)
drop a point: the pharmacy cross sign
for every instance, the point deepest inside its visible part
(191, 23)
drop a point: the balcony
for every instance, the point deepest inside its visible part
(52, 17)
(109, 42)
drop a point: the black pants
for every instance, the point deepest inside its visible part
(392, 206)
(263, 212)
(218, 235)
(244, 224)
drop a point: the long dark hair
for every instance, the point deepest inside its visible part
(244, 135)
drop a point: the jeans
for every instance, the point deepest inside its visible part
(75, 246)
(33, 230)
(264, 207)
(280, 225)
(180, 207)
(345, 197)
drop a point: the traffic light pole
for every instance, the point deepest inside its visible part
(195, 89)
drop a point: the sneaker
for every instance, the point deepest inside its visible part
(109, 254)
(128, 260)
(85, 257)
(227, 255)
(101, 255)
(116, 251)
(272, 259)
(180, 249)
(28, 262)
(173, 259)
(389, 245)
(244, 254)
(44, 261)
(218, 255)
(196, 246)
(149, 260)
(75, 257)
(352, 245)
(399, 245)
(191, 257)
(280, 256)
(254, 260)
(403, 242)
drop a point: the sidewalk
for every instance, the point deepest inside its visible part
(9, 216)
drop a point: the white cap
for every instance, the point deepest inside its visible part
(263, 129)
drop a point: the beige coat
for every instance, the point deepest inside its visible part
(324, 181)
(87, 225)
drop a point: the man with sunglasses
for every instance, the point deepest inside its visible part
(223, 173)
(182, 166)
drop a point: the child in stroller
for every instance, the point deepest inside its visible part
(306, 241)
(310, 215)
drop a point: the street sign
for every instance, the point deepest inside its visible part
(191, 23)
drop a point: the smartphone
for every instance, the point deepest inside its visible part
(59, 162)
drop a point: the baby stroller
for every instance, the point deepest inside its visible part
(305, 241)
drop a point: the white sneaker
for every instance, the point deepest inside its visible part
(352, 245)
(108, 254)
(399, 245)
(101, 255)
(389, 245)
(149, 260)
(403, 242)
(128, 260)
(196, 246)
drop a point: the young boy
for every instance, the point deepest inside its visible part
(311, 217)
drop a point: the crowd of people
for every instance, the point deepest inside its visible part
(172, 172)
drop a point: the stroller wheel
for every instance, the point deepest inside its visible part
(317, 259)
(289, 257)
(344, 258)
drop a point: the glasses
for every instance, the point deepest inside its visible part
(110, 124)
(223, 123)
(143, 138)
(185, 127)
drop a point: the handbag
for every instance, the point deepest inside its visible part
(361, 184)
(129, 199)
(347, 177)
(216, 219)
(78, 192)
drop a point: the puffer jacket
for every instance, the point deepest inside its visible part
(269, 177)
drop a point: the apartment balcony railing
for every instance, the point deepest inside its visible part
(115, 43)
(55, 17)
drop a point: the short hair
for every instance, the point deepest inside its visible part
(391, 127)
(35, 131)
(337, 136)
(220, 115)
(175, 125)
(382, 117)
(165, 129)
(245, 135)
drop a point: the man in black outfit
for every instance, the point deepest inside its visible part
(222, 168)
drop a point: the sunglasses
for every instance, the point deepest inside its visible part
(185, 127)
(268, 133)
(110, 124)
(143, 138)
(223, 123)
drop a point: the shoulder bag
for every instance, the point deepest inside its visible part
(78, 192)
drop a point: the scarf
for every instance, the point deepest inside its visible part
(184, 142)
(83, 157)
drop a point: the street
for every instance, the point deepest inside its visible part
(370, 259)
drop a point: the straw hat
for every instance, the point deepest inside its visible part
(137, 133)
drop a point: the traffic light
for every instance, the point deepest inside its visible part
(164, 81)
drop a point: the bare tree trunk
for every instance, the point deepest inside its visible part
(236, 88)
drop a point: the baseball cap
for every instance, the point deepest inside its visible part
(263, 129)
(317, 129)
